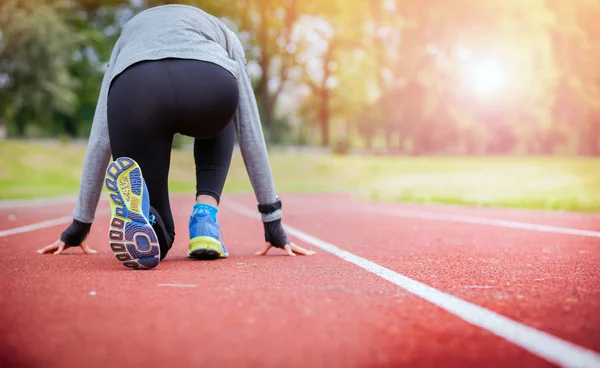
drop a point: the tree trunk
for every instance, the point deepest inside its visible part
(324, 114)
(324, 118)
(269, 99)
(588, 145)
(369, 140)
(20, 124)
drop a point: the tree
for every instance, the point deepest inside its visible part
(576, 108)
(327, 40)
(34, 53)
(268, 25)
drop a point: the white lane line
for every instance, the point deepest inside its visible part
(177, 285)
(542, 344)
(36, 226)
(44, 224)
(424, 215)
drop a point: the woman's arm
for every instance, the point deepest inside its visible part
(98, 151)
(92, 178)
(251, 139)
(96, 160)
(254, 151)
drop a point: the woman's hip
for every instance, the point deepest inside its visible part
(190, 97)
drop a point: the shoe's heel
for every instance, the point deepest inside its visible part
(132, 238)
(206, 247)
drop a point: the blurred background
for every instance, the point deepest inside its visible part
(492, 102)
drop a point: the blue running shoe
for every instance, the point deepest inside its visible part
(132, 238)
(205, 234)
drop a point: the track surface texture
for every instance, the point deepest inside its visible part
(463, 291)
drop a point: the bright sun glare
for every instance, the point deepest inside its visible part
(487, 76)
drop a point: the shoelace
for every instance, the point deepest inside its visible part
(152, 219)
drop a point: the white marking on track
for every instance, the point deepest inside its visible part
(423, 215)
(542, 344)
(44, 224)
(177, 285)
(36, 226)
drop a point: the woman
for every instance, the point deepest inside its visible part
(174, 69)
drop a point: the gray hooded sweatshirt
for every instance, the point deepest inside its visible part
(186, 32)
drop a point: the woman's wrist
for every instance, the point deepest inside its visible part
(76, 233)
(275, 234)
(266, 208)
(270, 211)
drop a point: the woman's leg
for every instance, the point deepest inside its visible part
(141, 110)
(213, 158)
(207, 98)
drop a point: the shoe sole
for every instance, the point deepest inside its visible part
(132, 238)
(206, 247)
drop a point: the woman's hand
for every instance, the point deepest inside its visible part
(275, 236)
(59, 246)
(74, 236)
(290, 248)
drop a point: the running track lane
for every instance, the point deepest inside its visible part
(548, 281)
(269, 311)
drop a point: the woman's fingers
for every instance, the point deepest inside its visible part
(298, 249)
(49, 248)
(264, 251)
(289, 250)
(61, 247)
(58, 247)
(86, 249)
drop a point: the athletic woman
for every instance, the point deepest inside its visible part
(174, 69)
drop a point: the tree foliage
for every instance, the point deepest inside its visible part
(392, 74)
(34, 54)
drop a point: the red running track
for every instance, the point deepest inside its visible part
(276, 311)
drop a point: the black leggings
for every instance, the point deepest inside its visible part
(151, 101)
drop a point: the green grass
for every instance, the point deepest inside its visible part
(29, 170)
